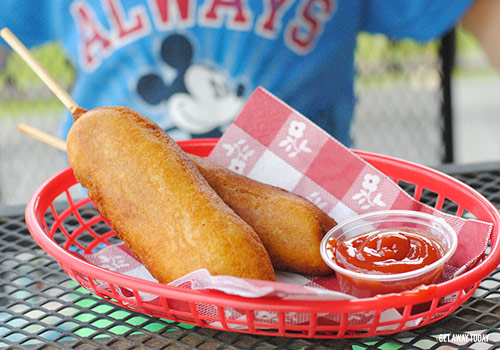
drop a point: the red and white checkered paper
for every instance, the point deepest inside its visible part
(272, 143)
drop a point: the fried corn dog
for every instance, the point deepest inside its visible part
(290, 226)
(157, 201)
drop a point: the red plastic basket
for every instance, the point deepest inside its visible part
(48, 222)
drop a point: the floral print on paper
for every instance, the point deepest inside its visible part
(113, 262)
(240, 152)
(263, 315)
(292, 143)
(315, 198)
(367, 196)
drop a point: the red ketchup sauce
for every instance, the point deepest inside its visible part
(385, 251)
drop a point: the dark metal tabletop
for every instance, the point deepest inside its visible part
(42, 308)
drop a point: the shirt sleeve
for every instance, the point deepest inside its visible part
(33, 21)
(421, 20)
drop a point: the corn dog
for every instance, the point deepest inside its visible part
(290, 226)
(157, 201)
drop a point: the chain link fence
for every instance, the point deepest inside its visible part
(398, 110)
(400, 99)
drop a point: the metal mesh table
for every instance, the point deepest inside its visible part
(41, 308)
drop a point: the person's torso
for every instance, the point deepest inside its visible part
(191, 65)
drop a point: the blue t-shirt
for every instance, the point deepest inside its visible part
(190, 65)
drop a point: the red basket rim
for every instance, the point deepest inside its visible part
(38, 205)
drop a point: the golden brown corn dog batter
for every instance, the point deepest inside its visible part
(290, 226)
(157, 201)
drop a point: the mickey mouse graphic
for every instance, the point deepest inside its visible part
(198, 100)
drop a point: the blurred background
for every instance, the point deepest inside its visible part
(431, 104)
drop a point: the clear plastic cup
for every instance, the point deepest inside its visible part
(363, 284)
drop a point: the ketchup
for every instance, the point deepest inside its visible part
(386, 251)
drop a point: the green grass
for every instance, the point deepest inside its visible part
(50, 56)
(20, 101)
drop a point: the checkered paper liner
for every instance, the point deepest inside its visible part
(272, 143)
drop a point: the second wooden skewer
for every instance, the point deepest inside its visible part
(42, 136)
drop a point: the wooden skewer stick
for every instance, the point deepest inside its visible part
(42, 136)
(26, 55)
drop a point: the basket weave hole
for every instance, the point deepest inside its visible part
(450, 302)
(97, 226)
(103, 234)
(86, 211)
(87, 241)
(356, 319)
(69, 224)
(265, 317)
(421, 309)
(407, 187)
(440, 202)
(468, 215)
(112, 293)
(62, 237)
(450, 207)
(63, 200)
(171, 308)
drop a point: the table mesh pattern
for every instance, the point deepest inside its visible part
(41, 308)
